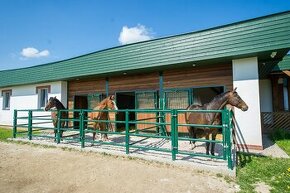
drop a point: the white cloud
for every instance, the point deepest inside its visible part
(31, 52)
(134, 34)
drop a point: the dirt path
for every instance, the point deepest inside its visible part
(25, 168)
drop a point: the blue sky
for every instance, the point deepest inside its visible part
(34, 32)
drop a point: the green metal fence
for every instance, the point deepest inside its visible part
(38, 123)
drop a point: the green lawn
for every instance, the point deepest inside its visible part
(5, 133)
(274, 172)
(282, 138)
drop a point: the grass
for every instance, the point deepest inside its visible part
(5, 133)
(274, 172)
(282, 138)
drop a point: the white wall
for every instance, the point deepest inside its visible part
(25, 97)
(266, 95)
(246, 79)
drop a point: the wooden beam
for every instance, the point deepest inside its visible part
(287, 72)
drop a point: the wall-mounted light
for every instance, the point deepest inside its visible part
(273, 54)
(193, 65)
(124, 73)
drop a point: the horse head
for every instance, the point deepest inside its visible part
(50, 103)
(235, 100)
(110, 103)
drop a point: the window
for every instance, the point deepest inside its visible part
(146, 100)
(42, 92)
(6, 99)
(177, 99)
(182, 98)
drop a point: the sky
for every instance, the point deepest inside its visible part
(34, 32)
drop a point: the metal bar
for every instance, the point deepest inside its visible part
(174, 149)
(224, 130)
(14, 123)
(229, 121)
(82, 129)
(147, 118)
(127, 140)
(42, 122)
(200, 125)
(58, 126)
(199, 111)
(30, 125)
(21, 125)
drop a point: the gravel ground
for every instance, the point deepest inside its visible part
(198, 163)
(30, 169)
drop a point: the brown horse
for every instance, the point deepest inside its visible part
(106, 104)
(218, 102)
(54, 103)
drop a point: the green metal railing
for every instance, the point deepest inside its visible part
(37, 122)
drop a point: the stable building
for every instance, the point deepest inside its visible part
(168, 73)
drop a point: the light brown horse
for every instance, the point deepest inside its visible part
(218, 102)
(53, 102)
(106, 104)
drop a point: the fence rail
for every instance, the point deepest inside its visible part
(38, 122)
(275, 120)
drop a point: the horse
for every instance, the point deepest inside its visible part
(218, 102)
(106, 104)
(54, 103)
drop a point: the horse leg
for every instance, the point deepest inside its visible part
(55, 134)
(213, 137)
(207, 143)
(55, 130)
(192, 134)
(104, 136)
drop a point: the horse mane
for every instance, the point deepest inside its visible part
(217, 99)
(98, 107)
(58, 104)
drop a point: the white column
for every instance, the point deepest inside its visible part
(246, 79)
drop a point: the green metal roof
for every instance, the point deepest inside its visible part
(230, 41)
(283, 65)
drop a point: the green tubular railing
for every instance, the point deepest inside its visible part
(37, 120)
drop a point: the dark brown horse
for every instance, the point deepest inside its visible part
(54, 103)
(106, 104)
(218, 102)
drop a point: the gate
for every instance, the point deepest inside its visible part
(37, 124)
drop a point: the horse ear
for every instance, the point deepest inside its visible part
(235, 89)
(55, 97)
(112, 97)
